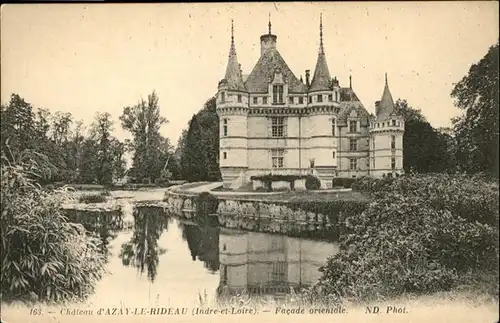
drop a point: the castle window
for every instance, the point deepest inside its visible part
(336, 96)
(333, 126)
(224, 127)
(290, 100)
(223, 97)
(393, 142)
(277, 158)
(373, 163)
(279, 272)
(333, 154)
(264, 100)
(277, 93)
(353, 144)
(277, 127)
(310, 99)
(353, 163)
(301, 100)
(330, 97)
(224, 155)
(353, 126)
(239, 98)
(373, 144)
(393, 123)
(320, 98)
(393, 163)
(255, 100)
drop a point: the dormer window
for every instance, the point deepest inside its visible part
(290, 100)
(301, 100)
(239, 98)
(255, 100)
(330, 97)
(310, 99)
(320, 98)
(393, 123)
(336, 96)
(353, 126)
(264, 100)
(277, 93)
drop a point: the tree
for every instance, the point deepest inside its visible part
(200, 144)
(477, 129)
(192, 160)
(144, 122)
(425, 149)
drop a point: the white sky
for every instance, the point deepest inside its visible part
(83, 58)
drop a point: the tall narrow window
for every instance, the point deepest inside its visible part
(320, 98)
(373, 163)
(310, 99)
(277, 158)
(279, 271)
(264, 100)
(277, 127)
(301, 100)
(333, 154)
(353, 163)
(353, 144)
(224, 155)
(224, 127)
(330, 97)
(393, 163)
(393, 142)
(373, 144)
(336, 96)
(290, 100)
(393, 123)
(334, 125)
(277, 93)
(353, 126)
(255, 100)
(223, 97)
(239, 98)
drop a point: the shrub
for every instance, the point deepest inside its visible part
(343, 182)
(44, 257)
(312, 182)
(422, 234)
(93, 198)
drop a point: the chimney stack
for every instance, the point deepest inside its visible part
(308, 74)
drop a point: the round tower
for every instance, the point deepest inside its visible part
(232, 109)
(386, 138)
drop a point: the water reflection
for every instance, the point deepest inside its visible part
(142, 250)
(203, 243)
(269, 264)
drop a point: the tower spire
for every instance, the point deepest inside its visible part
(269, 24)
(232, 50)
(385, 78)
(321, 50)
(350, 81)
(233, 75)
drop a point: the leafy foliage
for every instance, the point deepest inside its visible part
(312, 182)
(345, 182)
(421, 234)
(425, 149)
(477, 129)
(44, 257)
(199, 146)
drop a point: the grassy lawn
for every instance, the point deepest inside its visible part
(306, 196)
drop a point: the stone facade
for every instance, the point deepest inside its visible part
(272, 122)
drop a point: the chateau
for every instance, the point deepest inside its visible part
(271, 122)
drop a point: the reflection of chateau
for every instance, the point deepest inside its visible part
(269, 264)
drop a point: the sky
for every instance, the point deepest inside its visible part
(85, 58)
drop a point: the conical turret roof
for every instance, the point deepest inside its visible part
(321, 79)
(233, 77)
(386, 105)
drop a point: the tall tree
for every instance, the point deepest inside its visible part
(193, 163)
(477, 129)
(144, 122)
(425, 149)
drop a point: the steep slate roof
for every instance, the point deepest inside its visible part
(233, 77)
(321, 78)
(386, 105)
(257, 81)
(347, 94)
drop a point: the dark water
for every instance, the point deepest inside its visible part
(165, 260)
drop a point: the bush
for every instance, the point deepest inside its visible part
(100, 197)
(422, 234)
(312, 182)
(343, 182)
(44, 257)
